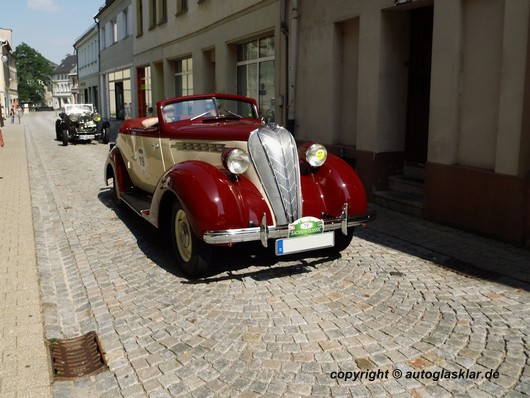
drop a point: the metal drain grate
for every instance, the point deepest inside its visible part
(77, 357)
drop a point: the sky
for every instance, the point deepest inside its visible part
(49, 26)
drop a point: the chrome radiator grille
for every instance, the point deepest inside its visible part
(275, 157)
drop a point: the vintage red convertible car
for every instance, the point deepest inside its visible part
(208, 171)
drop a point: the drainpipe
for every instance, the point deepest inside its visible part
(292, 67)
(100, 87)
(6, 87)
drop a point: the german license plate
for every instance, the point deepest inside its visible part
(304, 243)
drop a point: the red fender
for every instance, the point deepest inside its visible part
(214, 200)
(331, 185)
(120, 170)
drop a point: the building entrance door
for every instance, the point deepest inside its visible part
(120, 105)
(419, 85)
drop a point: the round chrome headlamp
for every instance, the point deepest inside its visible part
(316, 155)
(96, 117)
(74, 117)
(236, 160)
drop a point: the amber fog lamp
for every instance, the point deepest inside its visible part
(316, 155)
(236, 160)
(96, 117)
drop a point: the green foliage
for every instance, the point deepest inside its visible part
(34, 74)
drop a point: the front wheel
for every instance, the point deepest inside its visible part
(193, 255)
(342, 241)
(64, 137)
(116, 197)
(58, 134)
(105, 135)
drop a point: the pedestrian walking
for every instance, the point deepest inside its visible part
(12, 114)
(20, 113)
(1, 139)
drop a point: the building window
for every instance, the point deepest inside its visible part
(103, 38)
(114, 31)
(145, 94)
(182, 6)
(152, 13)
(162, 11)
(184, 77)
(139, 18)
(125, 21)
(120, 94)
(255, 73)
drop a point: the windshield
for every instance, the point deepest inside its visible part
(208, 108)
(78, 108)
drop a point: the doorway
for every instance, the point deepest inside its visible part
(419, 85)
(120, 104)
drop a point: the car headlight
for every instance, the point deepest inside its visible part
(96, 117)
(74, 117)
(316, 155)
(236, 160)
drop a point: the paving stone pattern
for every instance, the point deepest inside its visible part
(261, 326)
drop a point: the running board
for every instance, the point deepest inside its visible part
(139, 202)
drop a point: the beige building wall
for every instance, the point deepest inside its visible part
(353, 94)
(208, 32)
(8, 74)
(116, 91)
(481, 67)
(352, 58)
(482, 92)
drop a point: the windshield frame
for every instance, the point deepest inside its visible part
(78, 108)
(208, 108)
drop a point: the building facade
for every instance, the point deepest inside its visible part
(8, 75)
(435, 85)
(115, 27)
(443, 85)
(87, 50)
(64, 82)
(186, 47)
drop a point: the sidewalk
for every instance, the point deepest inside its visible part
(450, 247)
(24, 360)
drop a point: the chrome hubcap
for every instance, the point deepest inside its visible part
(183, 235)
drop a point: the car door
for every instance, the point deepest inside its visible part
(149, 159)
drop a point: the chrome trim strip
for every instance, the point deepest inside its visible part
(275, 232)
(198, 146)
(344, 219)
(263, 231)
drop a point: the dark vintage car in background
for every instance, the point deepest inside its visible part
(209, 172)
(80, 122)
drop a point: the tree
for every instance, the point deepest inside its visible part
(34, 74)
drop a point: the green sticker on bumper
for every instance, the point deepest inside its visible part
(306, 226)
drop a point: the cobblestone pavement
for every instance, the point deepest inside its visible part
(387, 318)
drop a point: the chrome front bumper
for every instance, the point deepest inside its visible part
(264, 232)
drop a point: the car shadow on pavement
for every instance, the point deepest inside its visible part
(474, 269)
(60, 143)
(231, 262)
(235, 262)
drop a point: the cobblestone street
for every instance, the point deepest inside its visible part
(398, 314)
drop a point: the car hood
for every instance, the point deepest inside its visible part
(208, 129)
